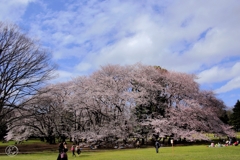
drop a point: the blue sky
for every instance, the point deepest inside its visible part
(200, 37)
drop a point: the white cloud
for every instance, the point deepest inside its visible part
(166, 34)
(62, 76)
(231, 85)
(219, 74)
(12, 10)
(83, 67)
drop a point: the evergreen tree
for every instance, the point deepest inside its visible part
(235, 117)
(224, 117)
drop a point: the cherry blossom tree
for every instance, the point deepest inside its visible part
(186, 112)
(117, 102)
(103, 103)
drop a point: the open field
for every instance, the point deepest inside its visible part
(42, 151)
(166, 153)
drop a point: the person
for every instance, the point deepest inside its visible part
(236, 143)
(212, 145)
(62, 148)
(230, 141)
(218, 145)
(227, 142)
(138, 144)
(78, 149)
(73, 150)
(157, 146)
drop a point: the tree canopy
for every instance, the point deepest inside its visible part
(118, 102)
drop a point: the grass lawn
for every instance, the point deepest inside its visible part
(165, 153)
(32, 141)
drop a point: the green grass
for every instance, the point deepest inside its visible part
(32, 141)
(165, 153)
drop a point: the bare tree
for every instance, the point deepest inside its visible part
(46, 117)
(24, 67)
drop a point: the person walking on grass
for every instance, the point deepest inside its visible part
(78, 149)
(62, 151)
(138, 143)
(73, 150)
(157, 146)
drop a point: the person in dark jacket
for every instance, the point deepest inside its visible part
(62, 148)
(78, 149)
(157, 146)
